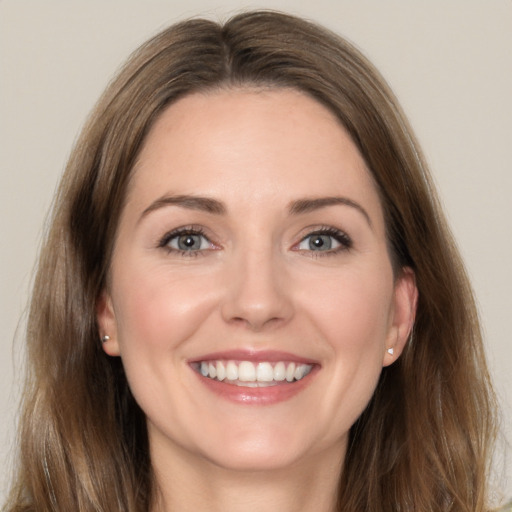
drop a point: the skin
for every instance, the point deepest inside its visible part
(254, 284)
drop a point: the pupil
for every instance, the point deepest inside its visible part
(187, 241)
(320, 242)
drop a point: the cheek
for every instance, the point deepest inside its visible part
(158, 312)
(352, 310)
(159, 309)
(353, 316)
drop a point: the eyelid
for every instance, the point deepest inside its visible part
(164, 241)
(344, 240)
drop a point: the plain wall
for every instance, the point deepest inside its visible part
(450, 64)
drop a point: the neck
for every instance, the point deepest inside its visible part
(185, 485)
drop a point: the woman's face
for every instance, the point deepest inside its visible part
(252, 298)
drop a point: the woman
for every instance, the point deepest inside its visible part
(223, 316)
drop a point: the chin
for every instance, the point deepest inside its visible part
(258, 449)
(255, 458)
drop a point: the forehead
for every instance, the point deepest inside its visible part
(250, 145)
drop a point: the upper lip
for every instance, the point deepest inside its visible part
(255, 356)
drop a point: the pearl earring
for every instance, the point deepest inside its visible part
(105, 338)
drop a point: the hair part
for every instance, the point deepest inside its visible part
(424, 441)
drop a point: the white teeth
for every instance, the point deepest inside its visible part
(265, 372)
(290, 372)
(299, 372)
(231, 371)
(247, 373)
(279, 372)
(221, 370)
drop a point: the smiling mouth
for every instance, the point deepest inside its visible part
(249, 374)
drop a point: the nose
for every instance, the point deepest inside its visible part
(257, 293)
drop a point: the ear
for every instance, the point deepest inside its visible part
(106, 319)
(403, 315)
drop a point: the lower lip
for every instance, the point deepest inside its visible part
(257, 396)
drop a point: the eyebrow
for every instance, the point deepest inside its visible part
(308, 205)
(204, 204)
(213, 206)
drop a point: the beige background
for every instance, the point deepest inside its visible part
(450, 64)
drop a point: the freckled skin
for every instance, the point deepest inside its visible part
(256, 285)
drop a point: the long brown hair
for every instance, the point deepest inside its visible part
(424, 441)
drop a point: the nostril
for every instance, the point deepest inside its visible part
(255, 323)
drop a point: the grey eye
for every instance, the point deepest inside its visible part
(319, 242)
(189, 242)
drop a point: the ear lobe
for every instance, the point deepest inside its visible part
(404, 313)
(107, 325)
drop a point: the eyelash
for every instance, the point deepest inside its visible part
(342, 238)
(175, 233)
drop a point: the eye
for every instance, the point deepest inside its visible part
(325, 240)
(318, 242)
(185, 240)
(188, 242)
